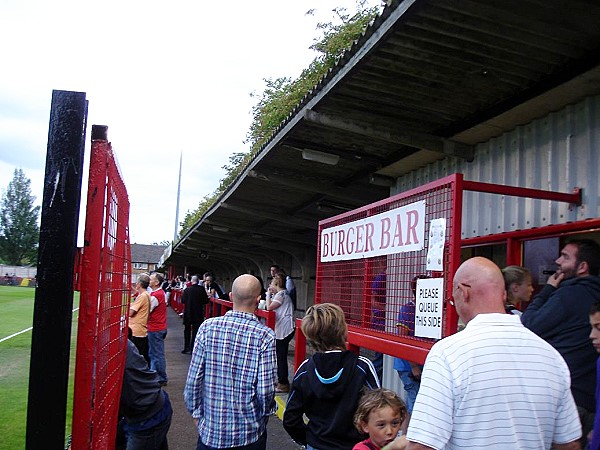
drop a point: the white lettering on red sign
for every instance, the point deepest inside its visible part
(396, 231)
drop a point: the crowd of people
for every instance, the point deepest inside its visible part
(520, 374)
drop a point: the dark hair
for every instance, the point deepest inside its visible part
(279, 281)
(595, 308)
(413, 283)
(588, 251)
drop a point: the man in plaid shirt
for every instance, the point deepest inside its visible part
(230, 387)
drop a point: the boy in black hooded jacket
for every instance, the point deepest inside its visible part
(328, 385)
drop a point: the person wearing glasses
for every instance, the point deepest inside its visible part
(496, 384)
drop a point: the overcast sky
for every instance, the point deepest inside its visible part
(166, 77)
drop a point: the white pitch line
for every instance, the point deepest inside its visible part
(22, 331)
(16, 334)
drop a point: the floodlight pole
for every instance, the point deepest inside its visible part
(175, 234)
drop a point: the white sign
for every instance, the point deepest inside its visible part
(428, 308)
(435, 250)
(396, 231)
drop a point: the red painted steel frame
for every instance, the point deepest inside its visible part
(219, 307)
(534, 233)
(411, 348)
(443, 199)
(104, 304)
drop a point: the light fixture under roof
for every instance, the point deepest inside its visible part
(220, 228)
(321, 157)
(331, 207)
(381, 180)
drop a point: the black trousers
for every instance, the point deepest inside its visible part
(142, 345)
(189, 335)
(281, 349)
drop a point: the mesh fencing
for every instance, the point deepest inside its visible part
(105, 267)
(376, 293)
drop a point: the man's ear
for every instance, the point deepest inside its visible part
(465, 292)
(583, 268)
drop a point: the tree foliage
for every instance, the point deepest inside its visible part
(19, 230)
(282, 95)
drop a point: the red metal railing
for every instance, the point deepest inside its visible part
(349, 282)
(218, 307)
(104, 304)
(175, 300)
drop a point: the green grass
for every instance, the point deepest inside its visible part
(16, 304)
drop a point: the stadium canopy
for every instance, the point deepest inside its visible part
(428, 80)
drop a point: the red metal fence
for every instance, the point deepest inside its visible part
(218, 307)
(104, 281)
(374, 287)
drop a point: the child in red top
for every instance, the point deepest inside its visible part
(380, 414)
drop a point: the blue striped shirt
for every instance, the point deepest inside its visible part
(230, 386)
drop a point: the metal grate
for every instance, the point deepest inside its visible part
(104, 304)
(373, 291)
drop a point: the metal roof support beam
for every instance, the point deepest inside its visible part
(421, 141)
(236, 247)
(255, 242)
(293, 222)
(308, 240)
(311, 185)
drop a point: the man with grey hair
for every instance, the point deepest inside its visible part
(194, 299)
(230, 387)
(139, 311)
(495, 384)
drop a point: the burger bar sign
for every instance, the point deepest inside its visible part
(396, 231)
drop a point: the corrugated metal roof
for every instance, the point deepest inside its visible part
(557, 153)
(433, 75)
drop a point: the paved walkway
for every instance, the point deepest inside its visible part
(183, 434)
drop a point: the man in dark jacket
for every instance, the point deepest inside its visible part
(560, 315)
(144, 405)
(194, 299)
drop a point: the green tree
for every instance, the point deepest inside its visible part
(19, 230)
(281, 95)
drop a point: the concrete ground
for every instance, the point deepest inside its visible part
(183, 434)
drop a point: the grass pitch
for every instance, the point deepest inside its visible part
(16, 304)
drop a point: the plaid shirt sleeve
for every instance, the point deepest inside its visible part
(193, 392)
(267, 378)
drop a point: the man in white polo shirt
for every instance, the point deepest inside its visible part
(494, 385)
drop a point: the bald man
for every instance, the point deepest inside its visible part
(230, 387)
(494, 385)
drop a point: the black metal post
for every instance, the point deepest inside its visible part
(51, 338)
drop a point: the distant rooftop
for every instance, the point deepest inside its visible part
(144, 253)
